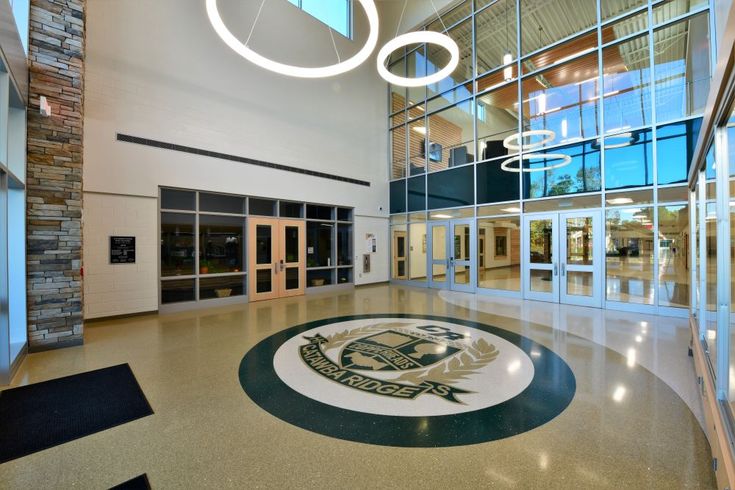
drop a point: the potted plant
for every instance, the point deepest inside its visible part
(204, 267)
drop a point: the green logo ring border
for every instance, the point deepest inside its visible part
(550, 392)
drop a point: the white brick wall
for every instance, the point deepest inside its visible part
(119, 289)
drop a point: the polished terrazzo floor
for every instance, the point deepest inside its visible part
(625, 427)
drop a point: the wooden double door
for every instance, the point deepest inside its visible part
(276, 258)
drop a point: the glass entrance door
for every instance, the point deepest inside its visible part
(451, 254)
(564, 257)
(276, 258)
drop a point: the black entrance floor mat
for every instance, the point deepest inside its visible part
(44, 415)
(137, 483)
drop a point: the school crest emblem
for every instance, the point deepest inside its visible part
(430, 358)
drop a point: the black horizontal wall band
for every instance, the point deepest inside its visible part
(234, 158)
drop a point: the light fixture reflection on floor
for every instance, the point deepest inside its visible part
(419, 37)
(298, 71)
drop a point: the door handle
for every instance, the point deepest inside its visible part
(275, 268)
(281, 265)
(556, 270)
(563, 270)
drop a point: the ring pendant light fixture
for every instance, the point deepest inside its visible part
(418, 37)
(291, 70)
(565, 160)
(515, 141)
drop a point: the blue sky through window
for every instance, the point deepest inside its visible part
(335, 13)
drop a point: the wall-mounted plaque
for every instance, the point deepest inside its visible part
(122, 249)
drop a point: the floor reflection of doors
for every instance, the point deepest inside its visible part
(564, 257)
(451, 248)
(276, 258)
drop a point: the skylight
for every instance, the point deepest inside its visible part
(337, 14)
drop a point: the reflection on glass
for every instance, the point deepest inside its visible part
(292, 278)
(564, 100)
(496, 185)
(675, 145)
(221, 287)
(451, 188)
(263, 283)
(462, 10)
(438, 58)
(177, 244)
(439, 252)
(220, 244)
(320, 277)
(580, 283)
(627, 84)
(398, 93)
(417, 146)
(451, 137)
(610, 10)
(344, 244)
(221, 203)
(461, 242)
(497, 118)
(291, 241)
(495, 30)
(462, 274)
(344, 275)
(669, 9)
(629, 159)
(541, 241)
(673, 255)
(536, 20)
(710, 230)
(398, 148)
(177, 291)
(416, 68)
(541, 281)
(319, 244)
(416, 187)
(579, 241)
(417, 261)
(582, 174)
(176, 199)
(398, 196)
(629, 254)
(263, 244)
(682, 68)
(499, 253)
(399, 250)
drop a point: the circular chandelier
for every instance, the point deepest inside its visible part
(298, 71)
(418, 37)
(515, 141)
(565, 160)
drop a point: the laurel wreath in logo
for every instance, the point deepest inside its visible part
(478, 355)
(457, 368)
(340, 338)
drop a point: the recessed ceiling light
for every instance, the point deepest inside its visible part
(420, 129)
(511, 210)
(441, 216)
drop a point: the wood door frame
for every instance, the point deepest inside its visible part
(283, 265)
(253, 223)
(402, 234)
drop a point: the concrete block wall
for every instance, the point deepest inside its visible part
(117, 289)
(54, 174)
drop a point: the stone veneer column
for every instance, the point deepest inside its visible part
(54, 174)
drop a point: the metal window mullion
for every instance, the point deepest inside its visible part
(701, 218)
(196, 250)
(723, 262)
(693, 252)
(654, 151)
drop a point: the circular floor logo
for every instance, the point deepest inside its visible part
(407, 380)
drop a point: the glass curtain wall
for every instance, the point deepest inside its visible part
(546, 106)
(13, 324)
